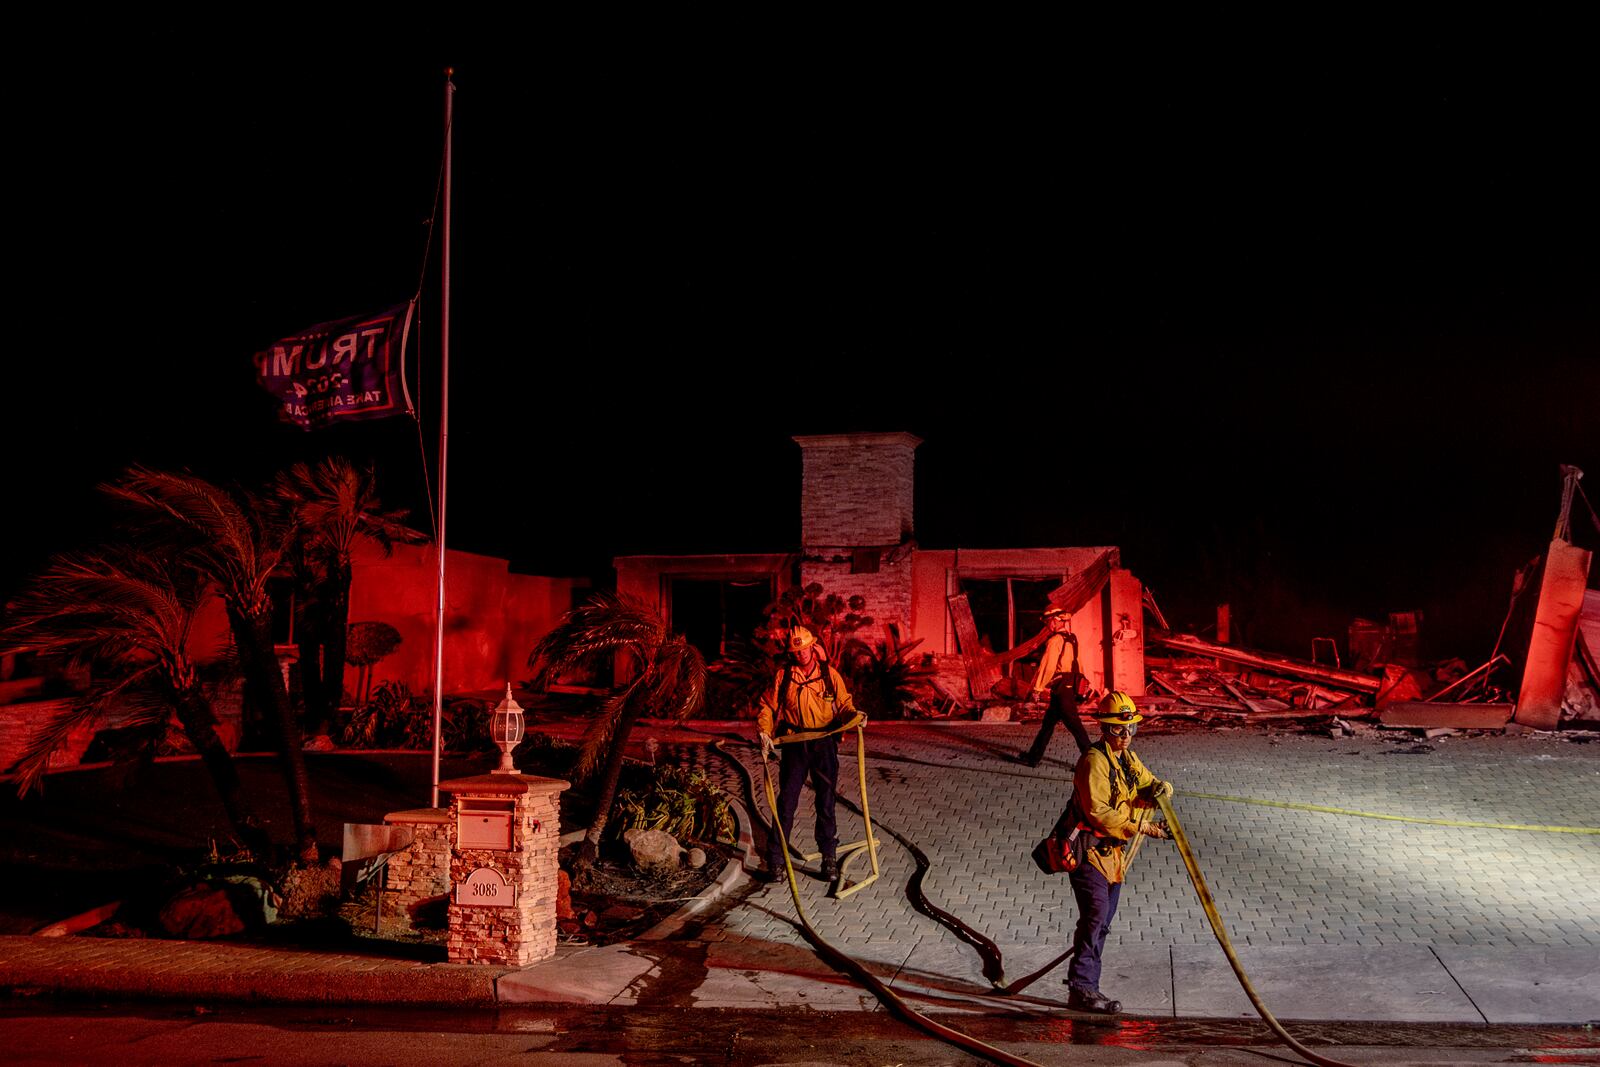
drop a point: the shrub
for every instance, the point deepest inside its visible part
(684, 803)
(397, 718)
(883, 680)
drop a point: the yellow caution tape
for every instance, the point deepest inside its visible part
(1394, 818)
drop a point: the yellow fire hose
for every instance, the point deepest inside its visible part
(834, 956)
(846, 853)
(1179, 838)
(955, 1037)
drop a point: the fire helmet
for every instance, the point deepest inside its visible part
(799, 638)
(1118, 709)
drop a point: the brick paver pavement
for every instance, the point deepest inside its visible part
(1281, 877)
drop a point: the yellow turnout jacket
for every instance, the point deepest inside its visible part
(805, 702)
(1107, 790)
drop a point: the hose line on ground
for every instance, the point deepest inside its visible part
(1175, 828)
(840, 960)
(893, 1002)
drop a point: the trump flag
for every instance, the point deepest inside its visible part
(347, 369)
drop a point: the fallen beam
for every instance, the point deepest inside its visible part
(1424, 716)
(1079, 589)
(1297, 668)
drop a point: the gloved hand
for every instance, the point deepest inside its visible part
(1156, 830)
(1160, 789)
(768, 749)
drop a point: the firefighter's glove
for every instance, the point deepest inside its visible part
(1157, 830)
(768, 749)
(1160, 789)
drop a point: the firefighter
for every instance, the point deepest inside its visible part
(1114, 792)
(807, 694)
(1058, 674)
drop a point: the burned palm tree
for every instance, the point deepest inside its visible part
(667, 679)
(334, 505)
(129, 617)
(236, 544)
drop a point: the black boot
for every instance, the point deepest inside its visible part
(1092, 1000)
(830, 869)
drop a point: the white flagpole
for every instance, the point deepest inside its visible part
(444, 435)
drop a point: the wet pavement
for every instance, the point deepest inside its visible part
(1398, 942)
(645, 1037)
(1336, 917)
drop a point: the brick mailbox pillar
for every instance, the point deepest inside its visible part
(504, 832)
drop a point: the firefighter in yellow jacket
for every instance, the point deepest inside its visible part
(807, 694)
(1059, 675)
(1114, 793)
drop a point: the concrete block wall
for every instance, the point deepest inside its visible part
(422, 872)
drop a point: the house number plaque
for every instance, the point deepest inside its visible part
(485, 888)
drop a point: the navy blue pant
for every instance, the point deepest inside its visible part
(797, 761)
(1097, 904)
(1063, 709)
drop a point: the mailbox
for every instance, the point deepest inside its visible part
(485, 824)
(503, 868)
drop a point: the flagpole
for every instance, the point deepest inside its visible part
(444, 432)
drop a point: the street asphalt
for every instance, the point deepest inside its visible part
(1336, 917)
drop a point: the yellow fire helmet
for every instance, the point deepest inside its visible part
(1118, 709)
(799, 638)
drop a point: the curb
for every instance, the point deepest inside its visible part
(731, 878)
(206, 972)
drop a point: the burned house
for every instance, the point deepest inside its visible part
(973, 610)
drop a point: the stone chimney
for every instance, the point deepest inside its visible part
(856, 521)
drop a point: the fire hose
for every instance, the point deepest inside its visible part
(892, 1001)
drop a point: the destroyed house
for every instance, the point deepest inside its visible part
(977, 612)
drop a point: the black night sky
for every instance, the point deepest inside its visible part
(1311, 333)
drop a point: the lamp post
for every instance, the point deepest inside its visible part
(505, 727)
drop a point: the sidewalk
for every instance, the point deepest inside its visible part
(1334, 918)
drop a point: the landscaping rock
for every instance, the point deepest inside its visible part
(310, 892)
(997, 713)
(199, 912)
(564, 896)
(629, 835)
(320, 743)
(697, 858)
(655, 850)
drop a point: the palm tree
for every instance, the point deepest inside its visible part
(334, 505)
(128, 617)
(236, 544)
(667, 680)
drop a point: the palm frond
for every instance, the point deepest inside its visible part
(678, 686)
(336, 503)
(602, 730)
(108, 606)
(235, 543)
(603, 626)
(35, 760)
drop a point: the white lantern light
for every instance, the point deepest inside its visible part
(505, 728)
